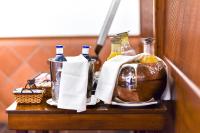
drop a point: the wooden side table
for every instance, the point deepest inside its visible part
(98, 117)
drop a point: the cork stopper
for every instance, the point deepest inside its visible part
(148, 40)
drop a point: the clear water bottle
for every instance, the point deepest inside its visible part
(85, 52)
(59, 54)
(56, 69)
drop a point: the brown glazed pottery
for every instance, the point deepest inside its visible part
(139, 82)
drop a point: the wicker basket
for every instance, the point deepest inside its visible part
(28, 95)
(46, 88)
(43, 84)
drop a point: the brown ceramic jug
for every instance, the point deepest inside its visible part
(139, 82)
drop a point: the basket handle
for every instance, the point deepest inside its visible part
(26, 89)
(31, 83)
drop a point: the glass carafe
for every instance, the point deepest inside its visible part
(149, 56)
(125, 45)
(115, 47)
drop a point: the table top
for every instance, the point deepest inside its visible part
(100, 108)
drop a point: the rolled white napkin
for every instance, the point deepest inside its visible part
(108, 77)
(73, 84)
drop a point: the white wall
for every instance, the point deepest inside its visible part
(23, 18)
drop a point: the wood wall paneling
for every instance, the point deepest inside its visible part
(181, 47)
(187, 101)
(189, 50)
(146, 18)
(159, 23)
(182, 36)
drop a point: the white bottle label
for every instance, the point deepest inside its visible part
(59, 50)
(85, 50)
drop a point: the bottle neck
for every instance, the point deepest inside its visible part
(147, 49)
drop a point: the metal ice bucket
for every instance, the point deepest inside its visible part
(91, 72)
(55, 71)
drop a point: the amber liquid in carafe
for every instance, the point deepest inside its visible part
(148, 52)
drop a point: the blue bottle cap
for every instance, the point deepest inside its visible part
(59, 46)
(85, 46)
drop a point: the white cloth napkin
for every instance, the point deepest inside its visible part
(73, 84)
(108, 76)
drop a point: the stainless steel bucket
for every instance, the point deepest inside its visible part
(91, 72)
(55, 71)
